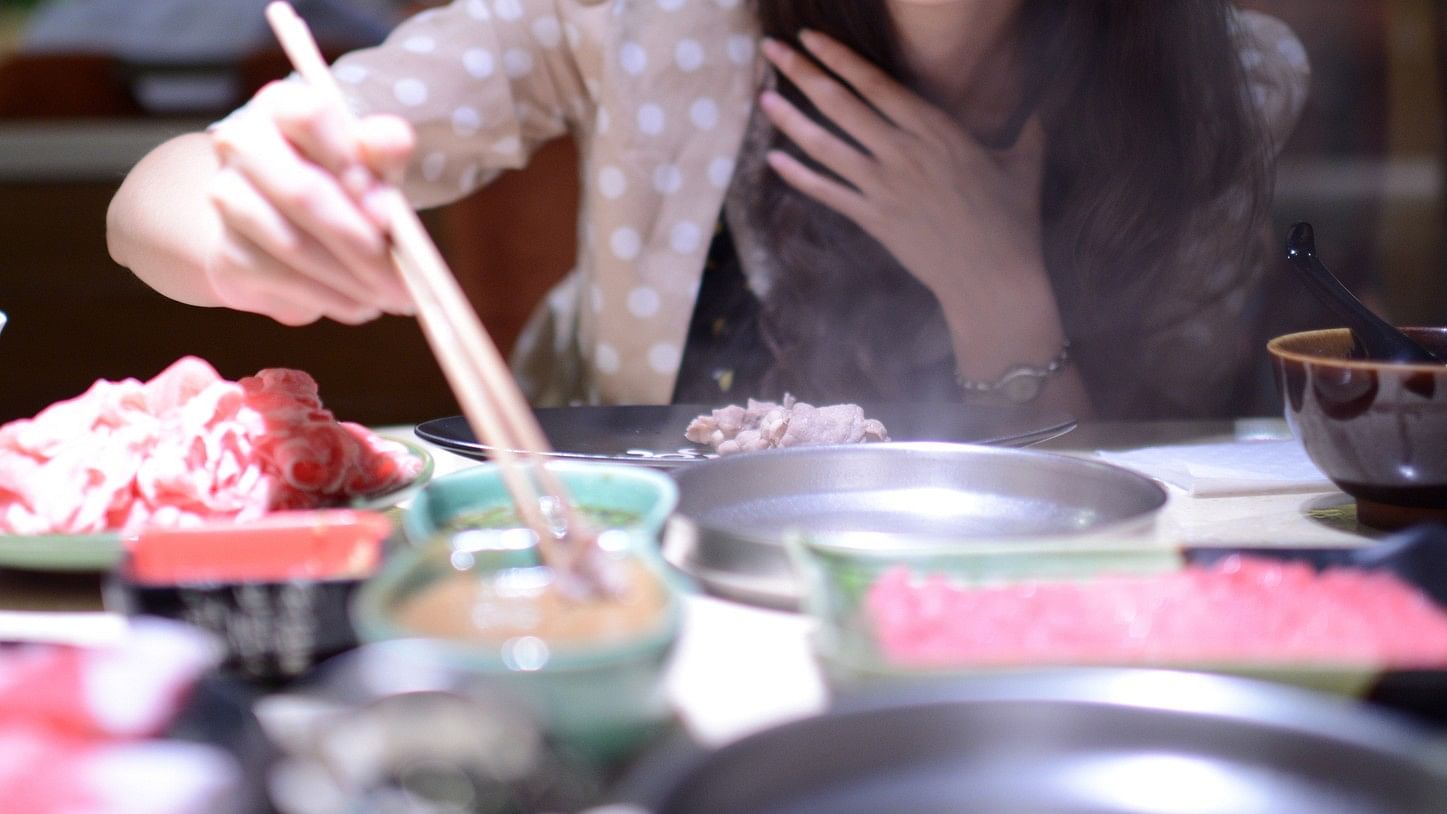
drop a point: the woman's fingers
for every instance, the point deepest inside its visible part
(899, 104)
(821, 145)
(387, 143)
(248, 278)
(837, 102)
(311, 197)
(826, 191)
(248, 214)
(319, 128)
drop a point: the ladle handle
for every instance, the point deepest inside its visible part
(1378, 338)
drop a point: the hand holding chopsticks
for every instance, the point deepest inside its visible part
(490, 399)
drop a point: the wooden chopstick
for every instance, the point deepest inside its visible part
(486, 391)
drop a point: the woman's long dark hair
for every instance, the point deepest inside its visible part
(1146, 122)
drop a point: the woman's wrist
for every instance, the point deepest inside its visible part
(997, 326)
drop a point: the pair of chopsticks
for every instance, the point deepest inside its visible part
(485, 389)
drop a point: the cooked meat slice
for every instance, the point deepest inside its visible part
(766, 424)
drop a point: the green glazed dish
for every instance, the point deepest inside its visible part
(102, 551)
(838, 571)
(603, 701)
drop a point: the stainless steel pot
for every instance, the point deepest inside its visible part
(740, 510)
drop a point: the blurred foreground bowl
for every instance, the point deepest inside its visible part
(1377, 429)
(458, 586)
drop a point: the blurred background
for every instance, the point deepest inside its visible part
(88, 86)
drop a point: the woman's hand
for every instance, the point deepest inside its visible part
(963, 219)
(303, 234)
(951, 211)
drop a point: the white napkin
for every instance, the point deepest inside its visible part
(1228, 469)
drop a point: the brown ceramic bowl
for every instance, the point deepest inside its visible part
(1377, 429)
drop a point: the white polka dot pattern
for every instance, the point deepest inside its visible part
(547, 32)
(478, 62)
(351, 74)
(625, 243)
(651, 119)
(410, 92)
(684, 237)
(688, 55)
(633, 58)
(420, 44)
(508, 9)
(643, 302)
(703, 113)
(605, 359)
(466, 121)
(663, 357)
(720, 171)
(612, 182)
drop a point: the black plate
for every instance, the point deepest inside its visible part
(1105, 741)
(653, 434)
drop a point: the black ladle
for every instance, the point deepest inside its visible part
(1375, 337)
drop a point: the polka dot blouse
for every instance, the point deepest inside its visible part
(657, 95)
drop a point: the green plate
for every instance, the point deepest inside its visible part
(103, 550)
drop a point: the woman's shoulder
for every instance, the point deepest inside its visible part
(1276, 68)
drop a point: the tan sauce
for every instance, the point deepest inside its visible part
(494, 608)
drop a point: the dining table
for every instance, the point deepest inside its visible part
(738, 668)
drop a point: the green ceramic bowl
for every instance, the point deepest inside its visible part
(602, 700)
(838, 571)
(103, 551)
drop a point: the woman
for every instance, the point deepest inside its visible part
(929, 212)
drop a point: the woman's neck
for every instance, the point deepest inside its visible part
(962, 53)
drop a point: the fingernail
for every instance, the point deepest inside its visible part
(771, 100)
(775, 50)
(809, 38)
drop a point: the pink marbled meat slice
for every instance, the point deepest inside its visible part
(1244, 610)
(185, 447)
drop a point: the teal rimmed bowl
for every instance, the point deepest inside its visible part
(603, 700)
